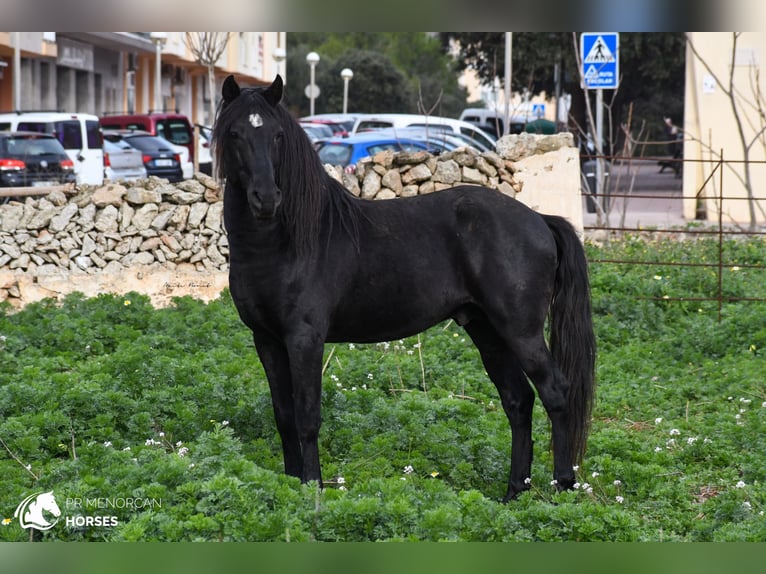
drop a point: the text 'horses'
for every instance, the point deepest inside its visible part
(311, 263)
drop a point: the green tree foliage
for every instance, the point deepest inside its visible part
(393, 72)
(651, 70)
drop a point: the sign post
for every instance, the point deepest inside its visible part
(600, 71)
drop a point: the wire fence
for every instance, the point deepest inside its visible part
(719, 230)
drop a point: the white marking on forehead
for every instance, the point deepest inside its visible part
(256, 120)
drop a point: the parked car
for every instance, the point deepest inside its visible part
(316, 132)
(30, 159)
(160, 157)
(338, 121)
(79, 134)
(347, 151)
(438, 138)
(173, 127)
(122, 162)
(369, 122)
(204, 150)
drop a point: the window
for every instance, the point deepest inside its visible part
(95, 139)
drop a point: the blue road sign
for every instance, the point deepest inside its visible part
(600, 59)
(538, 110)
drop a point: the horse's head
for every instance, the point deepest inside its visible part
(248, 144)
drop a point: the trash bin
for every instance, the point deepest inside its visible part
(589, 171)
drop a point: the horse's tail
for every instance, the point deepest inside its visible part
(572, 341)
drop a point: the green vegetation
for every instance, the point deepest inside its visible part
(165, 416)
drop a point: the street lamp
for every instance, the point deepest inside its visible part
(279, 54)
(312, 58)
(346, 74)
(159, 39)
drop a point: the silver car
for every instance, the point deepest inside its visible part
(122, 161)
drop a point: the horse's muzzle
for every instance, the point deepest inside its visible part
(265, 207)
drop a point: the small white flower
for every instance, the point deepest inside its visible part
(575, 468)
(341, 487)
(370, 376)
(107, 443)
(28, 467)
(589, 490)
(183, 451)
(657, 449)
(416, 346)
(763, 405)
(658, 420)
(691, 440)
(617, 482)
(586, 487)
(179, 443)
(126, 449)
(339, 385)
(707, 441)
(576, 485)
(408, 469)
(334, 377)
(658, 277)
(740, 484)
(619, 499)
(527, 480)
(595, 474)
(341, 480)
(351, 346)
(224, 423)
(353, 388)
(747, 505)
(554, 482)
(745, 401)
(675, 432)
(410, 352)
(162, 434)
(192, 465)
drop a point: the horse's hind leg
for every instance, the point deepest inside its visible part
(516, 396)
(553, 388)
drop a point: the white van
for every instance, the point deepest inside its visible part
(369, 122)
(80, 134)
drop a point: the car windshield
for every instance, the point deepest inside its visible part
(30, 146)
(148, 143)
(335, 153)
(175, 131)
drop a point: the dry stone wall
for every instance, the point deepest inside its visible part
(168, 239)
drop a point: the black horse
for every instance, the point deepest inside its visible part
(311, 263)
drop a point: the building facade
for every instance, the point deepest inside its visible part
(115, 72)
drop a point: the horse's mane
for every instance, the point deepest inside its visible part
(308, 192)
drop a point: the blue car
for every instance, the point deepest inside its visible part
(347, 151)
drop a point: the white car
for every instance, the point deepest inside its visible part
(122, 162)
(80, 134)
(186, 166)
(204, 151)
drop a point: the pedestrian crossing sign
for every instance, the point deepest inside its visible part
(600, 59)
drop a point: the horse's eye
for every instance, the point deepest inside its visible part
(234, 134)
(278, 137)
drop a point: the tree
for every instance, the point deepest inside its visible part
(207, 48)
(413, 61)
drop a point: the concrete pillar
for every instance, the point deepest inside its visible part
(66, 89)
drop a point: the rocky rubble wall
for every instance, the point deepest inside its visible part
(167, 239)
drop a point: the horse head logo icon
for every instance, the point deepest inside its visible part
(30, 511)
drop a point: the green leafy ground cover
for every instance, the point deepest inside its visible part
(162, 418)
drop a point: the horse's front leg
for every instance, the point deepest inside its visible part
(274, 358)
(305, 350)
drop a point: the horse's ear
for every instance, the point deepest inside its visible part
(273, 93)
(230, 89)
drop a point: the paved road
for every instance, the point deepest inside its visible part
(658, 204)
